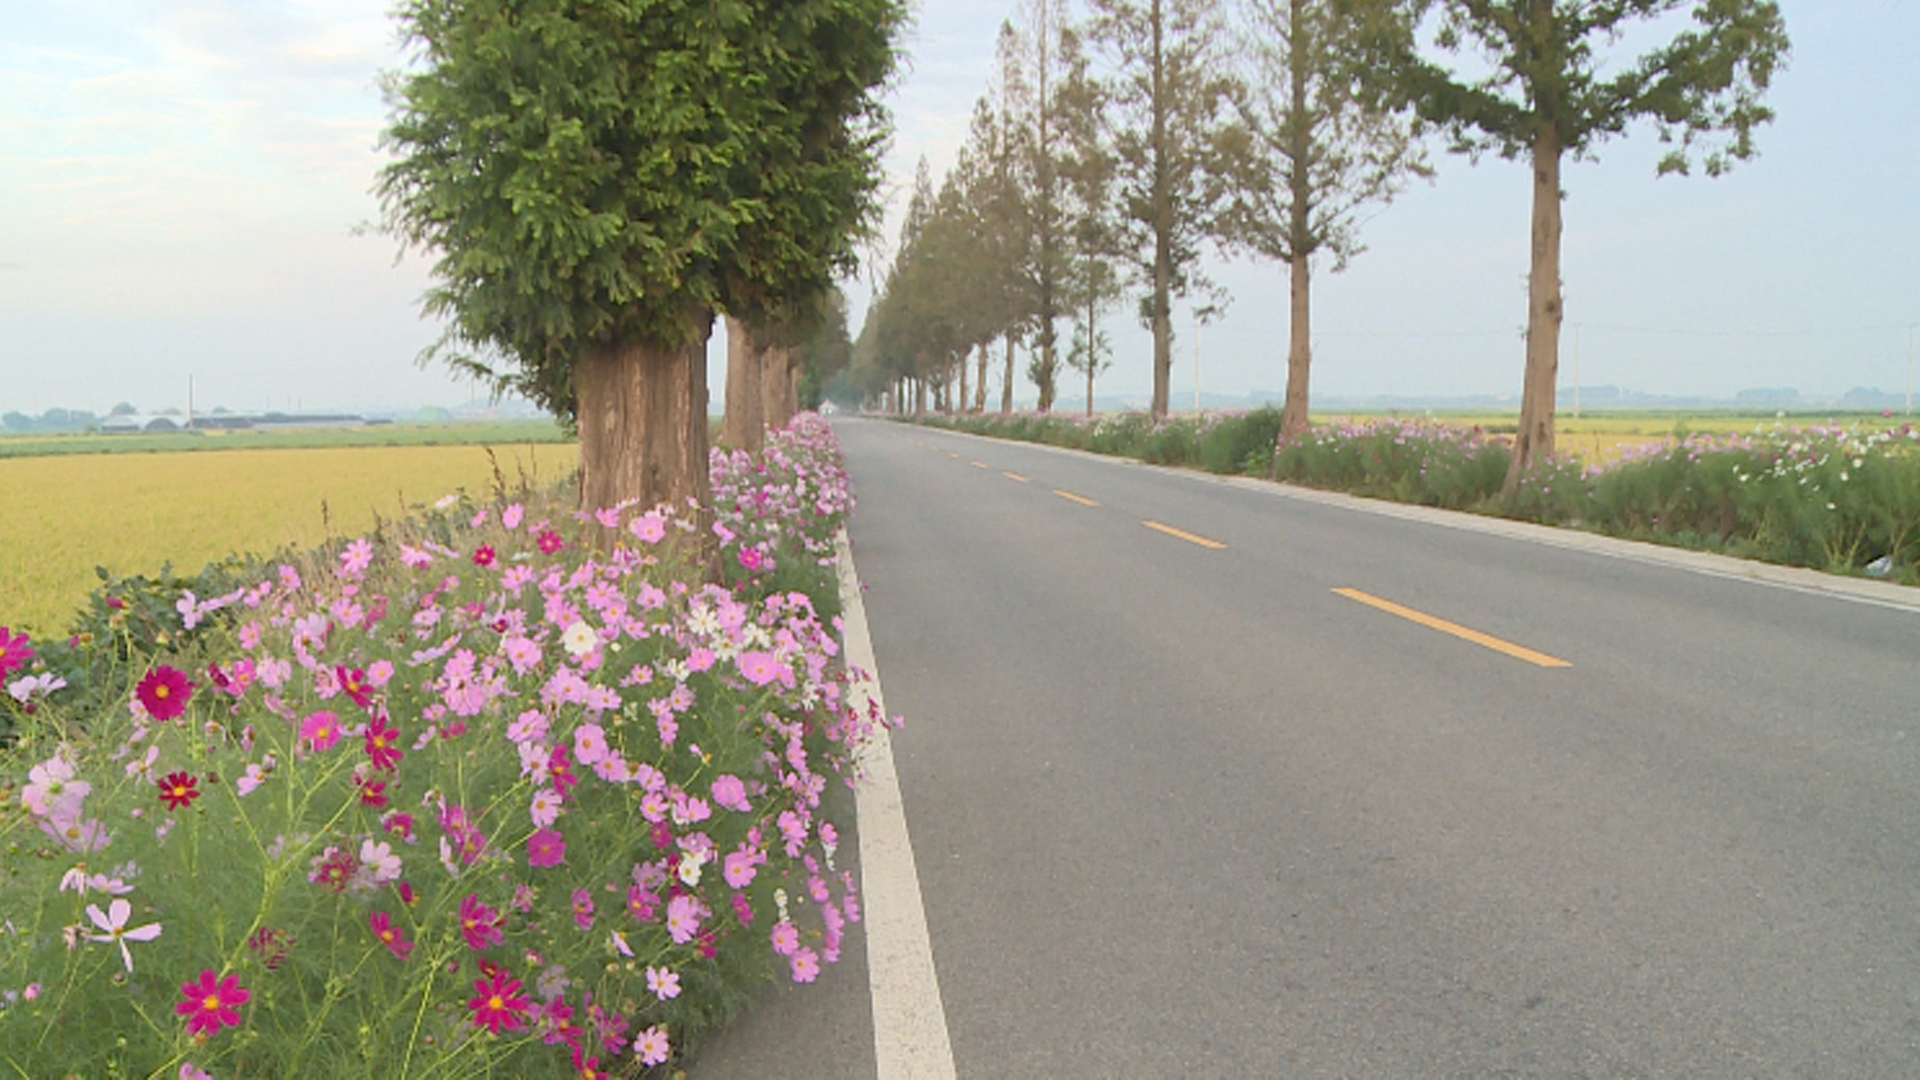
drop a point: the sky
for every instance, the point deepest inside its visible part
(185, 193)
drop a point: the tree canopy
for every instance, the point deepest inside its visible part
(591, 171)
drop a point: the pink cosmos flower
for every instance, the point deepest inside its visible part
(740, 867)
(546, 847)
(511, 517)
(545, 808)
(390, 935)
(684, 914)
(78, 835)
(648, 528)
(665, 984)
(164, 693)
(354, 560)
(760, 668)
(190, 1071)
(210, 1003)
(785, 937)
(523, 653)
(550, 542)
(589, 743)
(805, 965)
(499, 1004)
(321, 730)
(484, 556)
(378, 862)
(730, 792)
(480, 924)
(651, 1046)
(53, 785)
(583, 909)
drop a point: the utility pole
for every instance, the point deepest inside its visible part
(1909, 371)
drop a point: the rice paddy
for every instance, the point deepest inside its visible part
(133, 512)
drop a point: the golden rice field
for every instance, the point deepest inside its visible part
(62, 516)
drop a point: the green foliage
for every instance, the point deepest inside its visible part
(1228, 446)
(608, 170)
(1549, 68)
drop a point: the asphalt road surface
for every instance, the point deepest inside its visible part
(1204, 780)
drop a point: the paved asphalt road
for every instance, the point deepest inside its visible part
(1186, 811)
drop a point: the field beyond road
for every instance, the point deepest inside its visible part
(134, 512)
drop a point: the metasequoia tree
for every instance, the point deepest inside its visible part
(1551, 90)
(1092, 282)
(1042, 50)
(598, 177)
(1166, 98)
(1313, 152)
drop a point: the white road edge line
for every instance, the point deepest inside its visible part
(909, 1022)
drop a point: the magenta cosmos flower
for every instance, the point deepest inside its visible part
(390, 935)
(546, 847)
(14, 651)
(164, 693)
(498, 1005)
(210, 1003)
(480, 924)
(322, 730)
(383, 744)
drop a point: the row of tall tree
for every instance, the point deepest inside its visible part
(1119, 143)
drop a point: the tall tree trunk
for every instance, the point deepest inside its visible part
(744, 425)
(980, 381)
(1535, 439)
(643, 422)
(962, 404)
(776, 383)
(919, 397)
(1162, 226)
(1006, 387)
(1300, 239)
(1293, 417)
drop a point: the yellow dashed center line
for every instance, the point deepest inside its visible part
(1071, 497)
(978, 464)
(1184, 535)
(1518, 652)
(1015, 477)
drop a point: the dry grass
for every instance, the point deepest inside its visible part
(134, 512)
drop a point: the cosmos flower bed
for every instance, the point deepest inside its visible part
(1841, 499)
(474, 796)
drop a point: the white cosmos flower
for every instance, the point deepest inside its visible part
(113, 928)
(579, 639)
